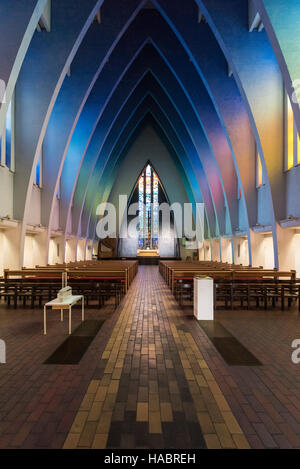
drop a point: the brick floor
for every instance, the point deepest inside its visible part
(150, 379)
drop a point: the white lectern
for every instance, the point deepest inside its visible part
(204, 298)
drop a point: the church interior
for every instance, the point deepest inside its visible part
(150, 224)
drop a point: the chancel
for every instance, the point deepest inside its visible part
(154, 235)
(149, 226)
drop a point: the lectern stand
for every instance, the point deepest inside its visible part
(204, 298)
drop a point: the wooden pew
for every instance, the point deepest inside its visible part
(109, 276)
(232, 283)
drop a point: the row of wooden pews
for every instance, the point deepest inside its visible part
(235, 286)
(96, 280)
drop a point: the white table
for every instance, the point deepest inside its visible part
(65, 304)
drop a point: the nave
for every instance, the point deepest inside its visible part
(149, 224)
(151, 378)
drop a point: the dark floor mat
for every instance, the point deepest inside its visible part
(214, 329)
(71, 351)
(234, 353)
(231, 350)
(88, 328)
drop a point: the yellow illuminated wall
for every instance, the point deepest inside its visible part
(290, 136)
(292, 151)
(259, 176)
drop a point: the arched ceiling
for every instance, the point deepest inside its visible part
(85, 89)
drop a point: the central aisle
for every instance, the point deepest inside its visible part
(156, 390)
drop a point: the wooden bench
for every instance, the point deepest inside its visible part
(233, 284)
(93, 279)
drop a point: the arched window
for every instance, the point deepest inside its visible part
(148, 209)
(292, 141)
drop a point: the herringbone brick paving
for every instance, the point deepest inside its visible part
(150, 379)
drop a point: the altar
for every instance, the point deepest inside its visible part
(148, 256)
(148, 253)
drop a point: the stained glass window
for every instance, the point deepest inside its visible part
(38, 172)
(292, 156)
(290, 135)
(259, 172)
(148, 209)
(58, 191)
(141, 211)
(8, 137)
(155, 210)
